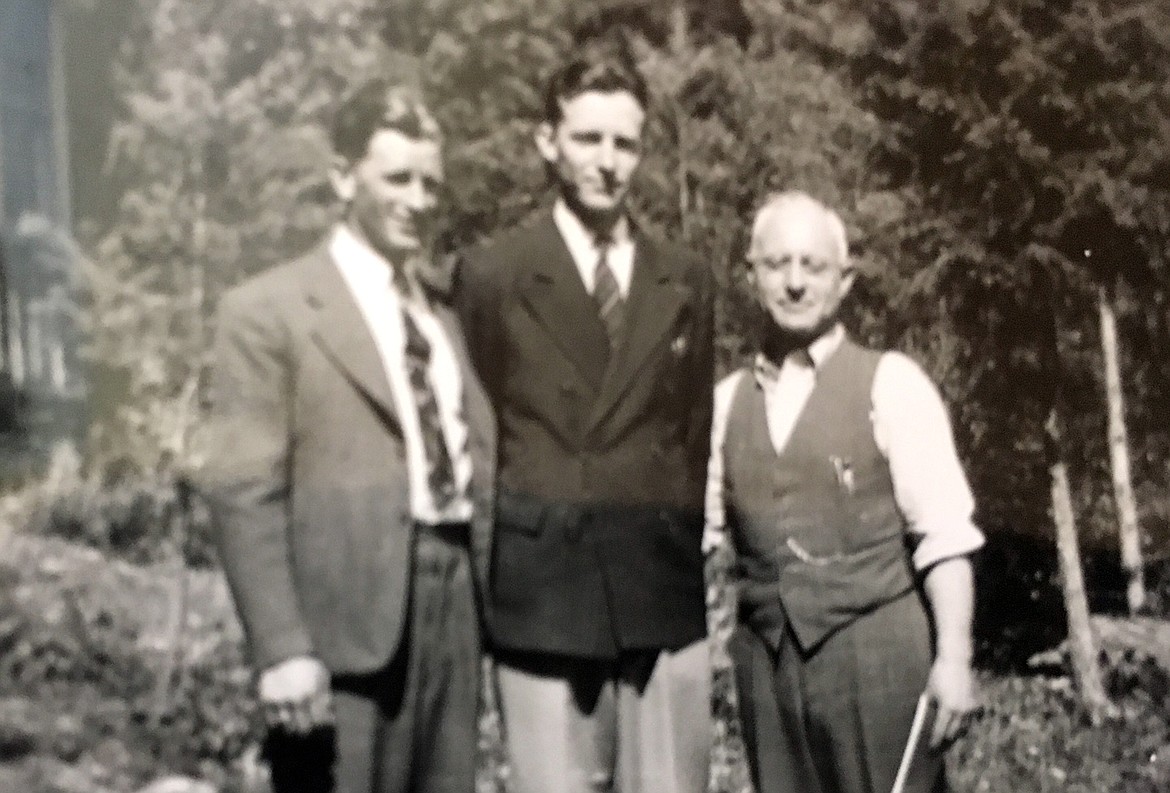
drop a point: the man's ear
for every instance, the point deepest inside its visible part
(546, 143)
(847, 278)
(753, 280)
(342, 177)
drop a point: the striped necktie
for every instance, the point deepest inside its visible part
(440, 469)
(607, 295)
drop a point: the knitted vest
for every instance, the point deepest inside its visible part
(818, 534)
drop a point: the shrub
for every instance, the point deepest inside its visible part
(132, 515)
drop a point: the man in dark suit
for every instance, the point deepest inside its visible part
(350, 465)
(594, 342)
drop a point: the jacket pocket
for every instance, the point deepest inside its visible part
(519, 514)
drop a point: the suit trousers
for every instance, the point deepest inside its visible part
(836, 720)
(640, 724)
(410, 727)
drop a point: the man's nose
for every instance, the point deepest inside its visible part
(420, 197)
(606, 157)
(794, 280)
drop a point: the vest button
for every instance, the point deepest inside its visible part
(574, 529)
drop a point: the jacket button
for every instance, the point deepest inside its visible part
(574, 529)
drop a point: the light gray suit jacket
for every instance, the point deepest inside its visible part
(306, 470)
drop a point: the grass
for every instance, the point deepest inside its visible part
(83, 637)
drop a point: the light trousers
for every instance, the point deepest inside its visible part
(640, 724)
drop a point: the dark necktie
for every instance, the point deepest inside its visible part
(607, 295)
(440, 471)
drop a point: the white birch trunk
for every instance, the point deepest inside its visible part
(1081, 644)
(1128, 529)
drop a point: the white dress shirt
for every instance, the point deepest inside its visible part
(910, 428)
(582, 245)
(369, 278)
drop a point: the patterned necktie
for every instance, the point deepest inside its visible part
(440, 470)
(607, 295)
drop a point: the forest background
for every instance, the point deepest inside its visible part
(1003, 170)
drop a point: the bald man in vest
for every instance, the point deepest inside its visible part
(835, 478)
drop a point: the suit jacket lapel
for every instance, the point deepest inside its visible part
(651, 308)
(553, 291)
(341, 331)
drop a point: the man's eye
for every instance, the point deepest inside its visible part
(589, 138)
(774, 264)
(629, 145)
(397, 177)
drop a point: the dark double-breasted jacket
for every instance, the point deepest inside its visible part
(602, 452)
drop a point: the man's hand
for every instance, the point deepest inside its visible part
(294, 694)
(952, 685)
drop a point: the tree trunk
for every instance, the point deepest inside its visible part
(1123, 497)
(1082, 646)
(680, 24)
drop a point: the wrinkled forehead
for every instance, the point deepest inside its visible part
(798, 226)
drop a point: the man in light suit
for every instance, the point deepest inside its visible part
(350, 469)
(594, 342)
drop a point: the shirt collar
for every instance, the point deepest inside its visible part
(355, 255)
(578, 235)
(813, 356)
(362, 264)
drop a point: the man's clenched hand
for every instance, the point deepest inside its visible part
(294, 694)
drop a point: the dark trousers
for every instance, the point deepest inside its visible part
(836, 721)
(411, 727)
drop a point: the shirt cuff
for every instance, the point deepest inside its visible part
(940, 544)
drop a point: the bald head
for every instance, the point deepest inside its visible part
(792, 211)
(800, 262)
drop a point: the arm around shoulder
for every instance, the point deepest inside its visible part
(477, 301)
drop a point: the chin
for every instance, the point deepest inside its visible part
(797, 328)
(599, 203)
(405, 244)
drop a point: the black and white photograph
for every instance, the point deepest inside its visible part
(584, 396)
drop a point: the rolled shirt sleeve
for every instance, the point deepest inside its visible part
(913, 431)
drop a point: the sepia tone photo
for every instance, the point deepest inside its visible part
(642, 396)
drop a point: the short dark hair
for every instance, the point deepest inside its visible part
(380, 104)
(598, 64)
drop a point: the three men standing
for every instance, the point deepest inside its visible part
(594, 343)
(351, 449)
(354, 464)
